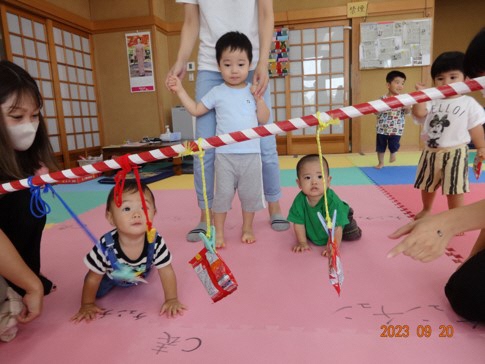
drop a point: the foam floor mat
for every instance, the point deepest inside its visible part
(284, 310)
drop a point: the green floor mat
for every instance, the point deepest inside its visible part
(340, 177)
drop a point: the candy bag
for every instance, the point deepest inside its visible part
(335, 269)
(477, 166)
(214, 274)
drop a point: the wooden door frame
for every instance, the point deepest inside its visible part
(334, 143)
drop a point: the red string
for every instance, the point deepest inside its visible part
(142, 197)
(120, 177)
(126, 167)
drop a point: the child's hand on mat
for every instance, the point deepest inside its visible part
(427, 239)
(301, 247)
(87, 312)
(172, 308)
(327, 251)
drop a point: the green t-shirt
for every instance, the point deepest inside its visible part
(302, 213)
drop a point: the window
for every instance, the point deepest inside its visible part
(73, 55)
(60, 60)
(317, 76)
(28, 45)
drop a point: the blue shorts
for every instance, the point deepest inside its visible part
(385, 141)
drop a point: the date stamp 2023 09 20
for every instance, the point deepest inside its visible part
(421, 331)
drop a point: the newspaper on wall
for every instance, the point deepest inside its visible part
(394, 44)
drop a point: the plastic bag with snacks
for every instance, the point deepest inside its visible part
(214, 274)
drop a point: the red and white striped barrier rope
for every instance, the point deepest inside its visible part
(458, 88)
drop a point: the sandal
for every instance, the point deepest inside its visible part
(279, 223)
(193, 235)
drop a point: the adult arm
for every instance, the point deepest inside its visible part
(427, 238)
(266, 29)
(13, 268)
(188, 37)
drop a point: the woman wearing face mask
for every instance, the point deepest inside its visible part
(24, 151)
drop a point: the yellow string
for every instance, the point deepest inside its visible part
(204, 188)
(188, 151)
(321, 126)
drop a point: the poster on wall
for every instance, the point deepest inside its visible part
(394, 44)
(278, 56)
(140, 65)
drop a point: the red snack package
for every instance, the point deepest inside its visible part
(214, 274)
(335, 269)
(477, 166)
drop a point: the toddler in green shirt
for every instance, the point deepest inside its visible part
(310, 200)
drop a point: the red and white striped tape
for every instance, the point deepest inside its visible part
(458, 88)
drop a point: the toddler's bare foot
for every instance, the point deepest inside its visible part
(392, 158)
(248, 237)
(379, 166)
(421, 214)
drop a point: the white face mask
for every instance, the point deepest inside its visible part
(22, 135)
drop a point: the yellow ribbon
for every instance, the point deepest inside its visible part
(151, 234)
(188, 151)
(204, 188)
(321, 126)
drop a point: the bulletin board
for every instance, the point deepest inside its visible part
(395, 44)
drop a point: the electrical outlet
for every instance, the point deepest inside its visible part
(190, 66)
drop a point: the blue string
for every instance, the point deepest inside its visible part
(121, 270)
(44, 208)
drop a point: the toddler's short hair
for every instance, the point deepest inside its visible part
(311, 158)
(474, 63)
(130, 186)
(447, 61)
(393, 74)
(234, 41)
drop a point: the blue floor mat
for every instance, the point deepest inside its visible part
(78, 201)
(91, 185)
(401, 175)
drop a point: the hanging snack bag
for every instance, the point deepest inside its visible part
(477, 166)
(214, 274)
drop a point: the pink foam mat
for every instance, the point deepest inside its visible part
(284, 310)
(408, 199)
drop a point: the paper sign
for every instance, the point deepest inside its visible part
(357, 9)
